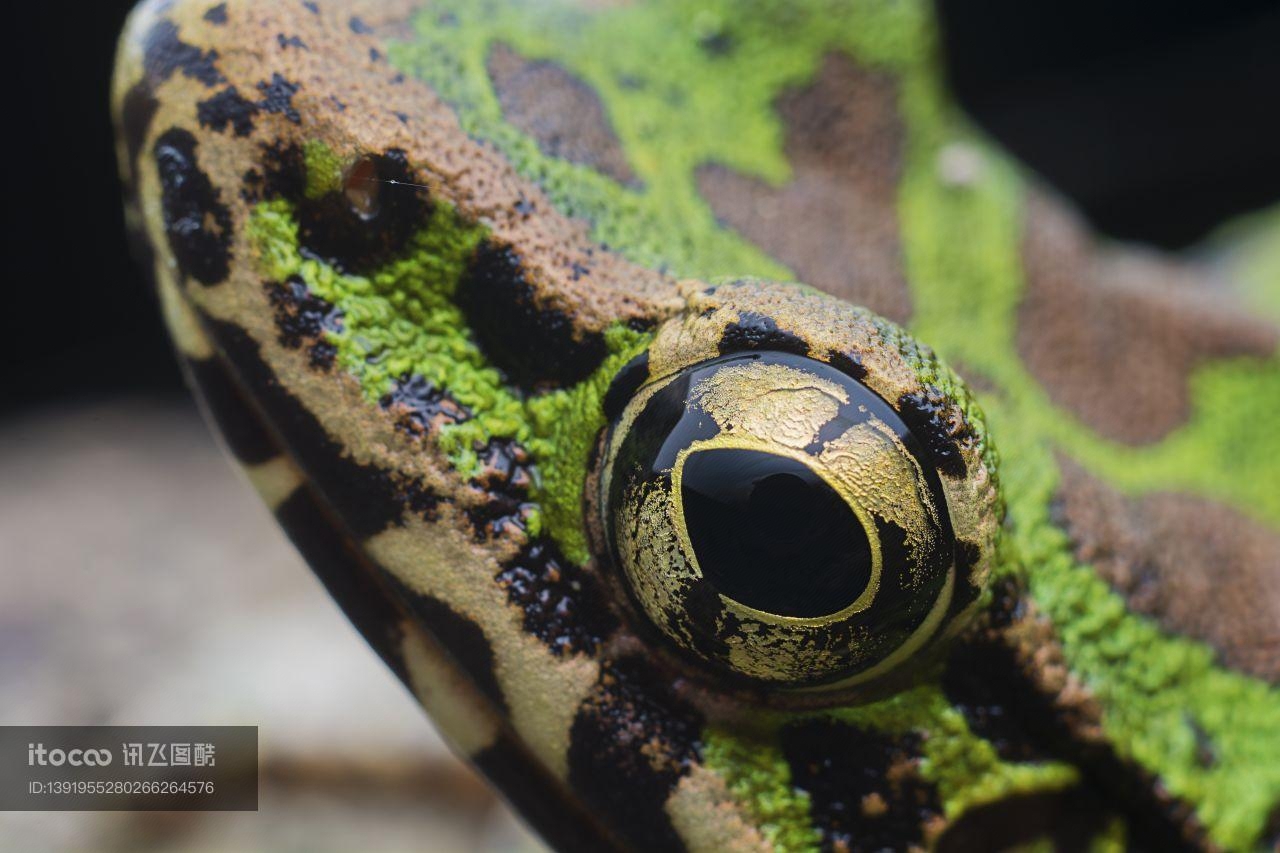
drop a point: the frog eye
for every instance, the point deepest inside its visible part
(779, 522)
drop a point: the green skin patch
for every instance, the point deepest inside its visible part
(964, 766)
(758, 775)
(676, 106)
(402, 320)
(324, 169)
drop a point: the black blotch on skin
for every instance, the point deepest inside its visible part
(463, 639)
(284, 175)
(1071, 819)
(562, 821)
(532, 344)
(1007, 603)
(508, 467)
(755, 331)
(251, 186)
(631, 742)
(196, 222)
(277, 97)
(331, 230)
(136, 112)
(421, 406)
(421, 500)
(224, 401)
(322, 355)
(359, 27)
(302, 318)
(993, 706)
(720, 43)
(624, 386)
(940, 428)
(368, 499)
(984, 671)
(164, 53)
(839, 765)
(967, 555)
(227, 108)
(217, 14)
(641, 324)
(346, 575)
(849, 365)
(1271, 834)
(505, 477)
(330, 553)
(290, 41)
(301, 314)
(563, 605)
(311, 7)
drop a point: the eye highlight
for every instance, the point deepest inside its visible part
(776, 519)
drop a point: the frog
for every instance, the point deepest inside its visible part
(966, 541)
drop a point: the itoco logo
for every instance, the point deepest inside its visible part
(37, 754)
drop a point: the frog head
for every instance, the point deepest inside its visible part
(676, 557)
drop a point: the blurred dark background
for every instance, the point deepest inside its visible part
(1161, 120)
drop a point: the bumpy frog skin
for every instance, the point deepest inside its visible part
(475, 290)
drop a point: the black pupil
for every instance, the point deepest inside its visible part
(771, 534)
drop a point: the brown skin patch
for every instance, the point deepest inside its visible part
(1114, 335)
(559, 111)
(1038, 653)
(1010, 670)
(345, 96)
(1198, 568)
(835, 223)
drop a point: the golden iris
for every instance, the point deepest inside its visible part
(777, 520)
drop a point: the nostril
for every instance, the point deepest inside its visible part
(362, 188)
